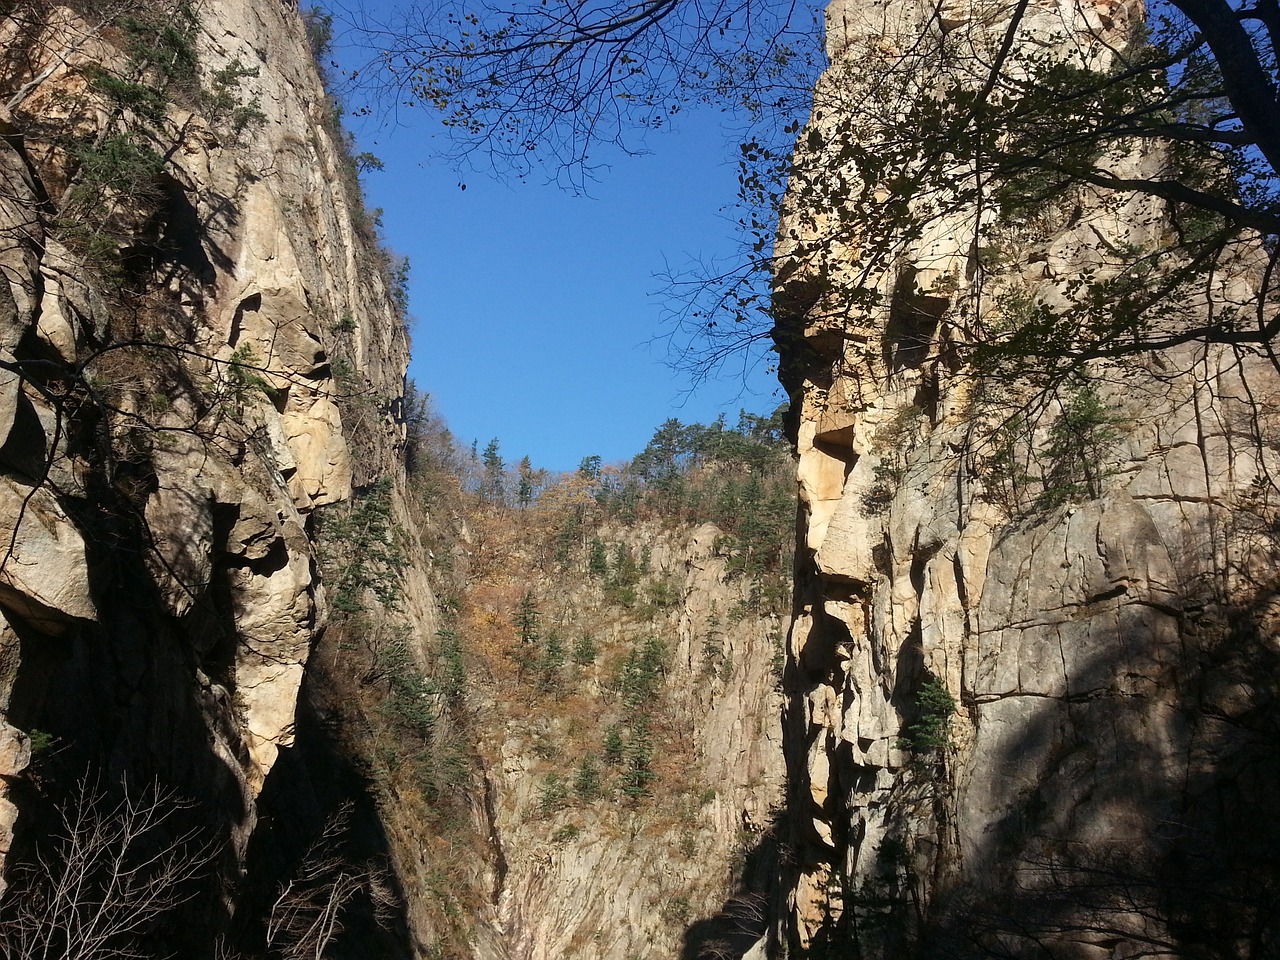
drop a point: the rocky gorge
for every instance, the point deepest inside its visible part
(1033, 657)
(280, 677)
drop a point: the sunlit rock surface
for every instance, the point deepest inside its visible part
(688, 869)
(170, 415)
(1110, 650)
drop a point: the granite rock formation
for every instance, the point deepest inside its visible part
(1029, 682)
(200, 351)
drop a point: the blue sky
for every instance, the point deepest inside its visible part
(535, 309)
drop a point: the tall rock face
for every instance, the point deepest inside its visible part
(666, 848)
(1032, 678)
(199, 351)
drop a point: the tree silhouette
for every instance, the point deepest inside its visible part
(966, 119)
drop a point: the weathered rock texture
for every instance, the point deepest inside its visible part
(198, 351)
(1106, 787)
(687, 868)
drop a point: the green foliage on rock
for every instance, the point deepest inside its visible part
(453, 681)
(641, 673)
(935, 708)
(527, 619)
(614, 745)
(597, 559)
(551, 664)
(364, 552)
(740, 478)
(636, 776)
(1079, 445)
(584, 650)
(1039, 458)
(553, 795)
(587, 783)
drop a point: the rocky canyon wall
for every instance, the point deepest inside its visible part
(200, 350)
(677, 861)
(1032, 677)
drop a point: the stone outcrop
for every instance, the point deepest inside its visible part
(1096, 640)
(199, 350)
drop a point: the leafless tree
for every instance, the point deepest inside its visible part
(118, 863)
(554, 80)
(307, 913)
(959, 125)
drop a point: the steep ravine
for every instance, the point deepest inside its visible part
(220, 603)
(590, 869)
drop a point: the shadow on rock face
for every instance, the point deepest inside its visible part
(748, 914)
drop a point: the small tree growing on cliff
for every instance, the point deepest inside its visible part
(527, 620)
(528, 480)
(584, 650)
(935, 708)
(526, 650)
(614, 745)
(597, 559)
(365, 552)
(1080, 442)
(586, 782)
(636, 775)
(551, 664)
(493, 485)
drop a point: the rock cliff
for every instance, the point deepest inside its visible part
(1034, 660)
(201, 350)
(665, 849)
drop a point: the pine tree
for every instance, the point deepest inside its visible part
(527, 618)
(614, 745)
(552, 660)
(637, 775)
(493, 486)
(455, 670)
(598, 560)
(586, 784)
(527, 483)
(553, 795)
(584, 650)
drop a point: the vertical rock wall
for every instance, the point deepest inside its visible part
(687, 870)
(1105, 786)
(198, 350)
